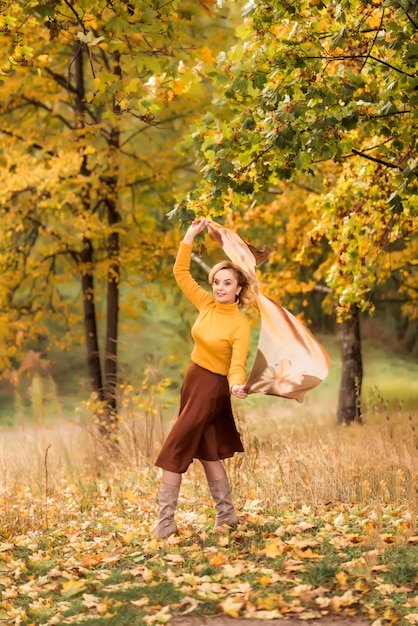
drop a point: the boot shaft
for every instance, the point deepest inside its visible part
(167, 499)
(221, 493)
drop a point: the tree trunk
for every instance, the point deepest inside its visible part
(113, 274)
(349, 401)
(113, 279)
(90, 320)
(105, 416)
(86, 260)
(105, 386)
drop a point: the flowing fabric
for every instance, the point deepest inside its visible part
(289, 360)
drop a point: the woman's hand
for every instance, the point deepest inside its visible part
(239, 391)
(194, 229)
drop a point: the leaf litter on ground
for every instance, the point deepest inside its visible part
(65, 560)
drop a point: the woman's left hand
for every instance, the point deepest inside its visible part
(239, 391)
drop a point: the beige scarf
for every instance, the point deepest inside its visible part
(289, 360)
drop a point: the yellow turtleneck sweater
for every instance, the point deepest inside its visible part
(221, 333)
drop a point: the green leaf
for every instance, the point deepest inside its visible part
(411, 55)
(338, 37)
(43, 10)
(303, 161)
(227, 168)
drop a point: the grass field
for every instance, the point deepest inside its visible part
(328, 514)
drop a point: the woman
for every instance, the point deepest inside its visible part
(205, 428)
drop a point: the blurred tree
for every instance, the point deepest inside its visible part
(94, 99)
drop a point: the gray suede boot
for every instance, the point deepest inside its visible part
(221, 493)
(168, 502)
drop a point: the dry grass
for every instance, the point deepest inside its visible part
(312, 460)
(293, 454)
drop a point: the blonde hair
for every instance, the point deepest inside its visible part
(244, 297)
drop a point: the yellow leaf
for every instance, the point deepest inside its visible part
(268, 603)
(341, 578)
(91, 20)
(339, 602)
(274, 549)
(223, 540)
(124, 104)
(207, 56)
(129, 495)
(72, 587)
(90, 560)
(179, 87)
(307, 554)
(231, 607)
(140, 602)
(217, 559)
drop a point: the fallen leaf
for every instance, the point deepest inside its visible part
(274, 549)
(174, 558)
(72, 587)
(188, 605)
(217, 559)
(347, 599)
(341, 578)
(4, 547)
(141, 602)
(162, 617)
(231, 607)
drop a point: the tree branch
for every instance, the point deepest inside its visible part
(351, 57)
(41, 105)
(375, 37)
(375, 159)
(63, 82)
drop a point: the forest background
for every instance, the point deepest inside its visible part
(293, 124)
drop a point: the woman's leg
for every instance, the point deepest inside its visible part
(168, 496)
(221, 493)
(171, 478)
(214, 470)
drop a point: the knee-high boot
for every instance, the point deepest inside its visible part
(221, 493)
(168, 502)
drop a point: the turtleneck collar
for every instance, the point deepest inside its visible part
(226, 308)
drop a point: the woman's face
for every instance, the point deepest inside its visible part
(225, 286)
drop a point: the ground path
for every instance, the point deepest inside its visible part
(189, 620)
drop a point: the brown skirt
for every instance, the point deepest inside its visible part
(205, 428)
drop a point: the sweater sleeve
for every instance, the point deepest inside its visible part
(240, 344)
(191, 288)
